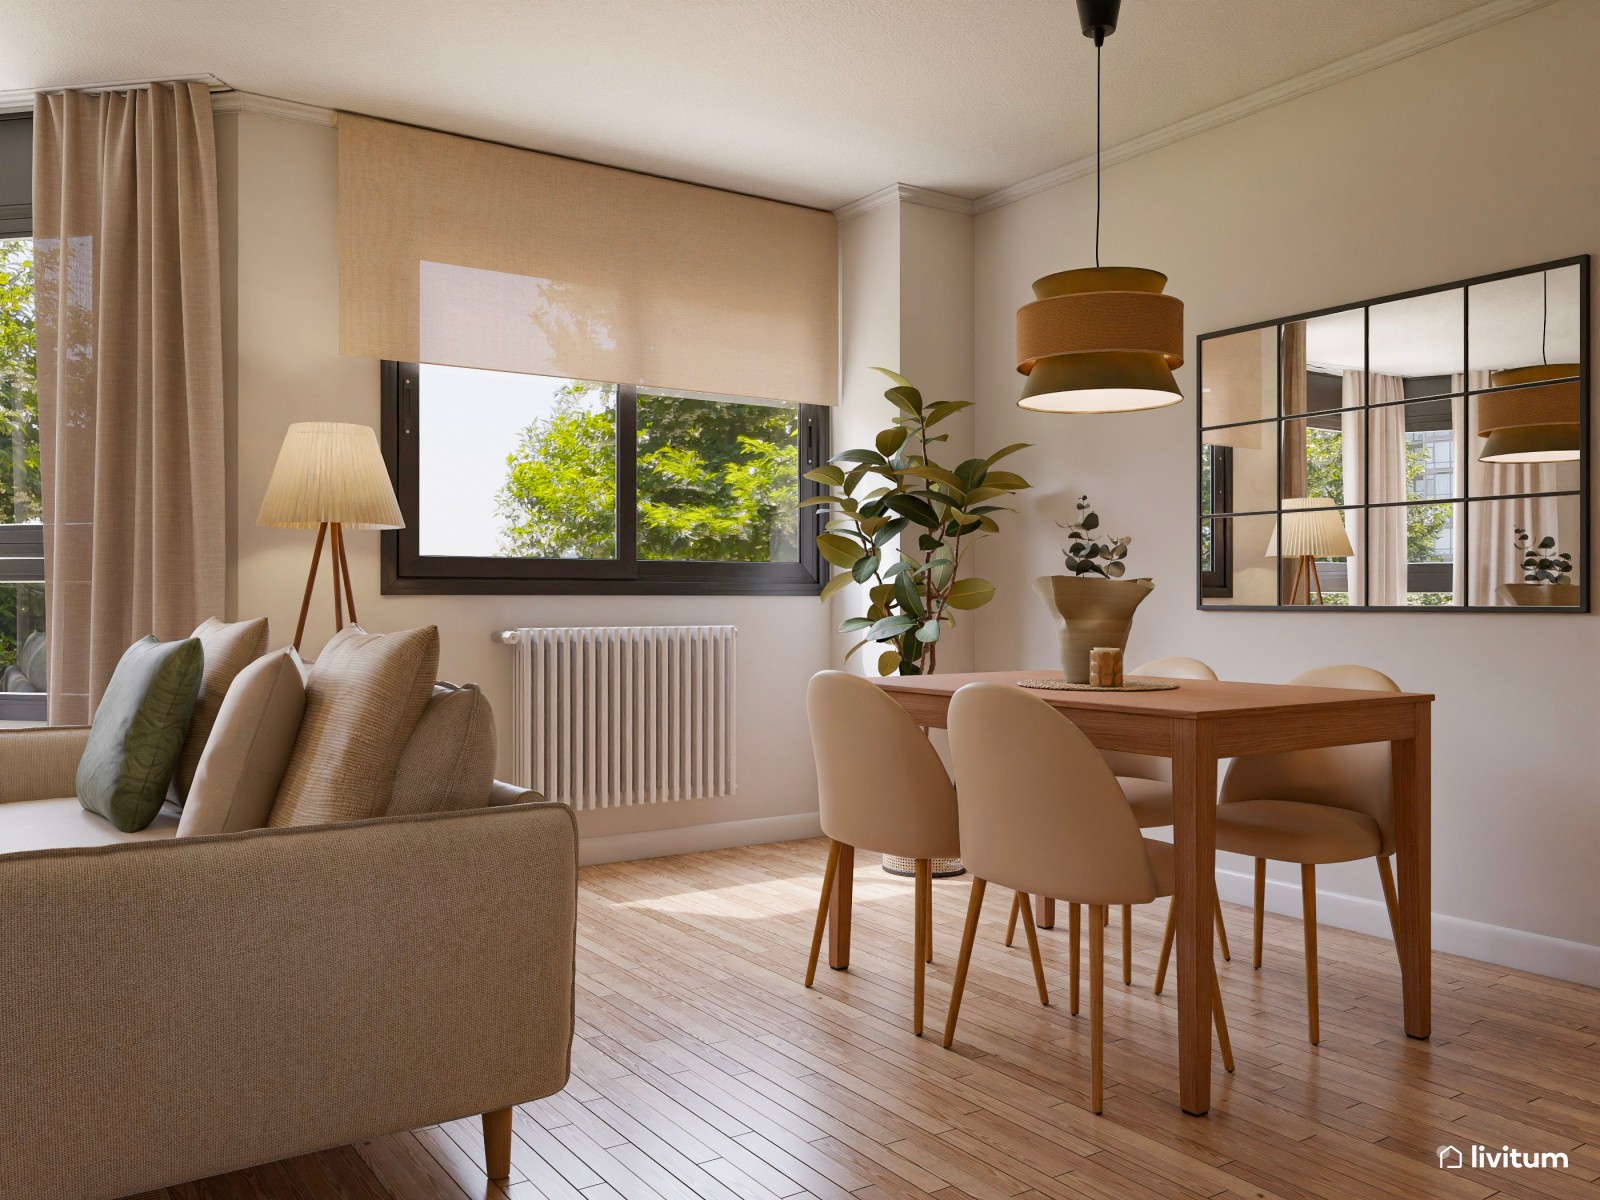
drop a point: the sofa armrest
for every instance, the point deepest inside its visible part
(502, 794)
(41, 763)
(175, 1010)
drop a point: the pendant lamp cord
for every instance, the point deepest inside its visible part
(1544, 324)
(1097, 44)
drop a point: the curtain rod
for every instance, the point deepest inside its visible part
(21, 99)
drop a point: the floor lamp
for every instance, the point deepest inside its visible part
(330, 477)
(1311, 529)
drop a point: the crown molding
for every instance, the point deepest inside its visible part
(232, 101)
(1437, 34)
(21, 99)
(906, 193)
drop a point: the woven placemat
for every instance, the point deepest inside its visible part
(1130, 683)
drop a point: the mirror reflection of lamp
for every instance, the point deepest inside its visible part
(1311, 528)
(1538, 421)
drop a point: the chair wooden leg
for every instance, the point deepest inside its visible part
(1391, 898)
(1308, 896)
(927, 918)
(919, 942)
(1223, 1043)
(1018, 899)
(1261, 906)
(497, 1142)
(1075, 920)
(840, 909)
(828, 876)
(1127, 944)
(1222, 932)
(1166, 944)
(1033, 949)
(974, 907)
(1097, 987)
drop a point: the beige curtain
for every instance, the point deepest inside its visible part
(1294, 437)
(1388, 556)
(1353, 463)
(130, 376)
(1494, 556)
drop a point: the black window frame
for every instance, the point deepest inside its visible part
(407, 572)
(1217, 581)
(21, 546)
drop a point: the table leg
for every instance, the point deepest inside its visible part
(1194, 835)
(1411, 763)
(844, 880)
(1044, 912)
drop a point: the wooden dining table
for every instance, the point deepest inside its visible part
(1195, 725)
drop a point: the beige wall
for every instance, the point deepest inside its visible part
(1478, 156)
(279, 239)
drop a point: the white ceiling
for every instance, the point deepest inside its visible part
(814, 101)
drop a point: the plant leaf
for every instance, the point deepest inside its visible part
(969, 593)
(890, 440)
(851, 624)
(838, 549)
(827, 473)
(928, 631)
(888, 661)
(1011, 449)
(918, 510)
(899, 380)
(834, 585)
(865, 568)
(890, 627)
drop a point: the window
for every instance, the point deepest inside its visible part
(23, 669)
(1216, 478)
(525, 483)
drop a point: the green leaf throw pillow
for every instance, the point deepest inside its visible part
(138, 731)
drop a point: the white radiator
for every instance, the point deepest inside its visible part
(604, 717)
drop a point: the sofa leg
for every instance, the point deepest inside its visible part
(497, 1142)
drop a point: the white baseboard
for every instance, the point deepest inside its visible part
(1576, 962)
(625, 847)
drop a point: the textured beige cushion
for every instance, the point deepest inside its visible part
(248, 751)
(229, 649)
(364, 695)
(449, 761)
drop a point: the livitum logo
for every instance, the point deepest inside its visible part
(1487, 1157)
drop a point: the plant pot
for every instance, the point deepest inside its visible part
(1089, 613)
(1540, 595)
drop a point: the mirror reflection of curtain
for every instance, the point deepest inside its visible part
(1494, 555)
(1353, 471)
(1294, 435)
(1386, 484)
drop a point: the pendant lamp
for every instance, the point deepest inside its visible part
(1099, 339)
(1538, 421)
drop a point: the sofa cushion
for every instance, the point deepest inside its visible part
(137, 734)
(228, 650)
(364, 696)
(66, 824)
(248, 751)
(449, 761)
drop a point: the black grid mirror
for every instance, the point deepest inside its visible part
(1426, 451)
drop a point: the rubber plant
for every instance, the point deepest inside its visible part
(912, 596)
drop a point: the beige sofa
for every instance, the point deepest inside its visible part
(176, 1008)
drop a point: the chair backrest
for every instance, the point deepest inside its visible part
(880, 783)
(1147, 766)
(1040, 810)
(1356, 778)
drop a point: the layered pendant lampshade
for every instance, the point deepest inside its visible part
(1100, 339)
(1531, 424)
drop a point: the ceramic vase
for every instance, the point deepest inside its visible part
(1089, 612)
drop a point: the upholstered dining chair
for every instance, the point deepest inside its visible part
(1312, 807)
(1147, 783)
(1041, 812)
(880, 787)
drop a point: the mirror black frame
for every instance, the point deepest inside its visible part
(1213, 578)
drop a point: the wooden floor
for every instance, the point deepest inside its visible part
(702, 1067)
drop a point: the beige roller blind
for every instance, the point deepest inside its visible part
(465, 253)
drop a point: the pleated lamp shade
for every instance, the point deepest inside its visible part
(330, 472)
(1311, 528)
(1531, 424)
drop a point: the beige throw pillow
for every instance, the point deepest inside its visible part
(245, 757)
(449, 761)
(228, 648)
(364, 695)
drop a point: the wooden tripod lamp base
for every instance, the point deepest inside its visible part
(333, 533)
(330, 475)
